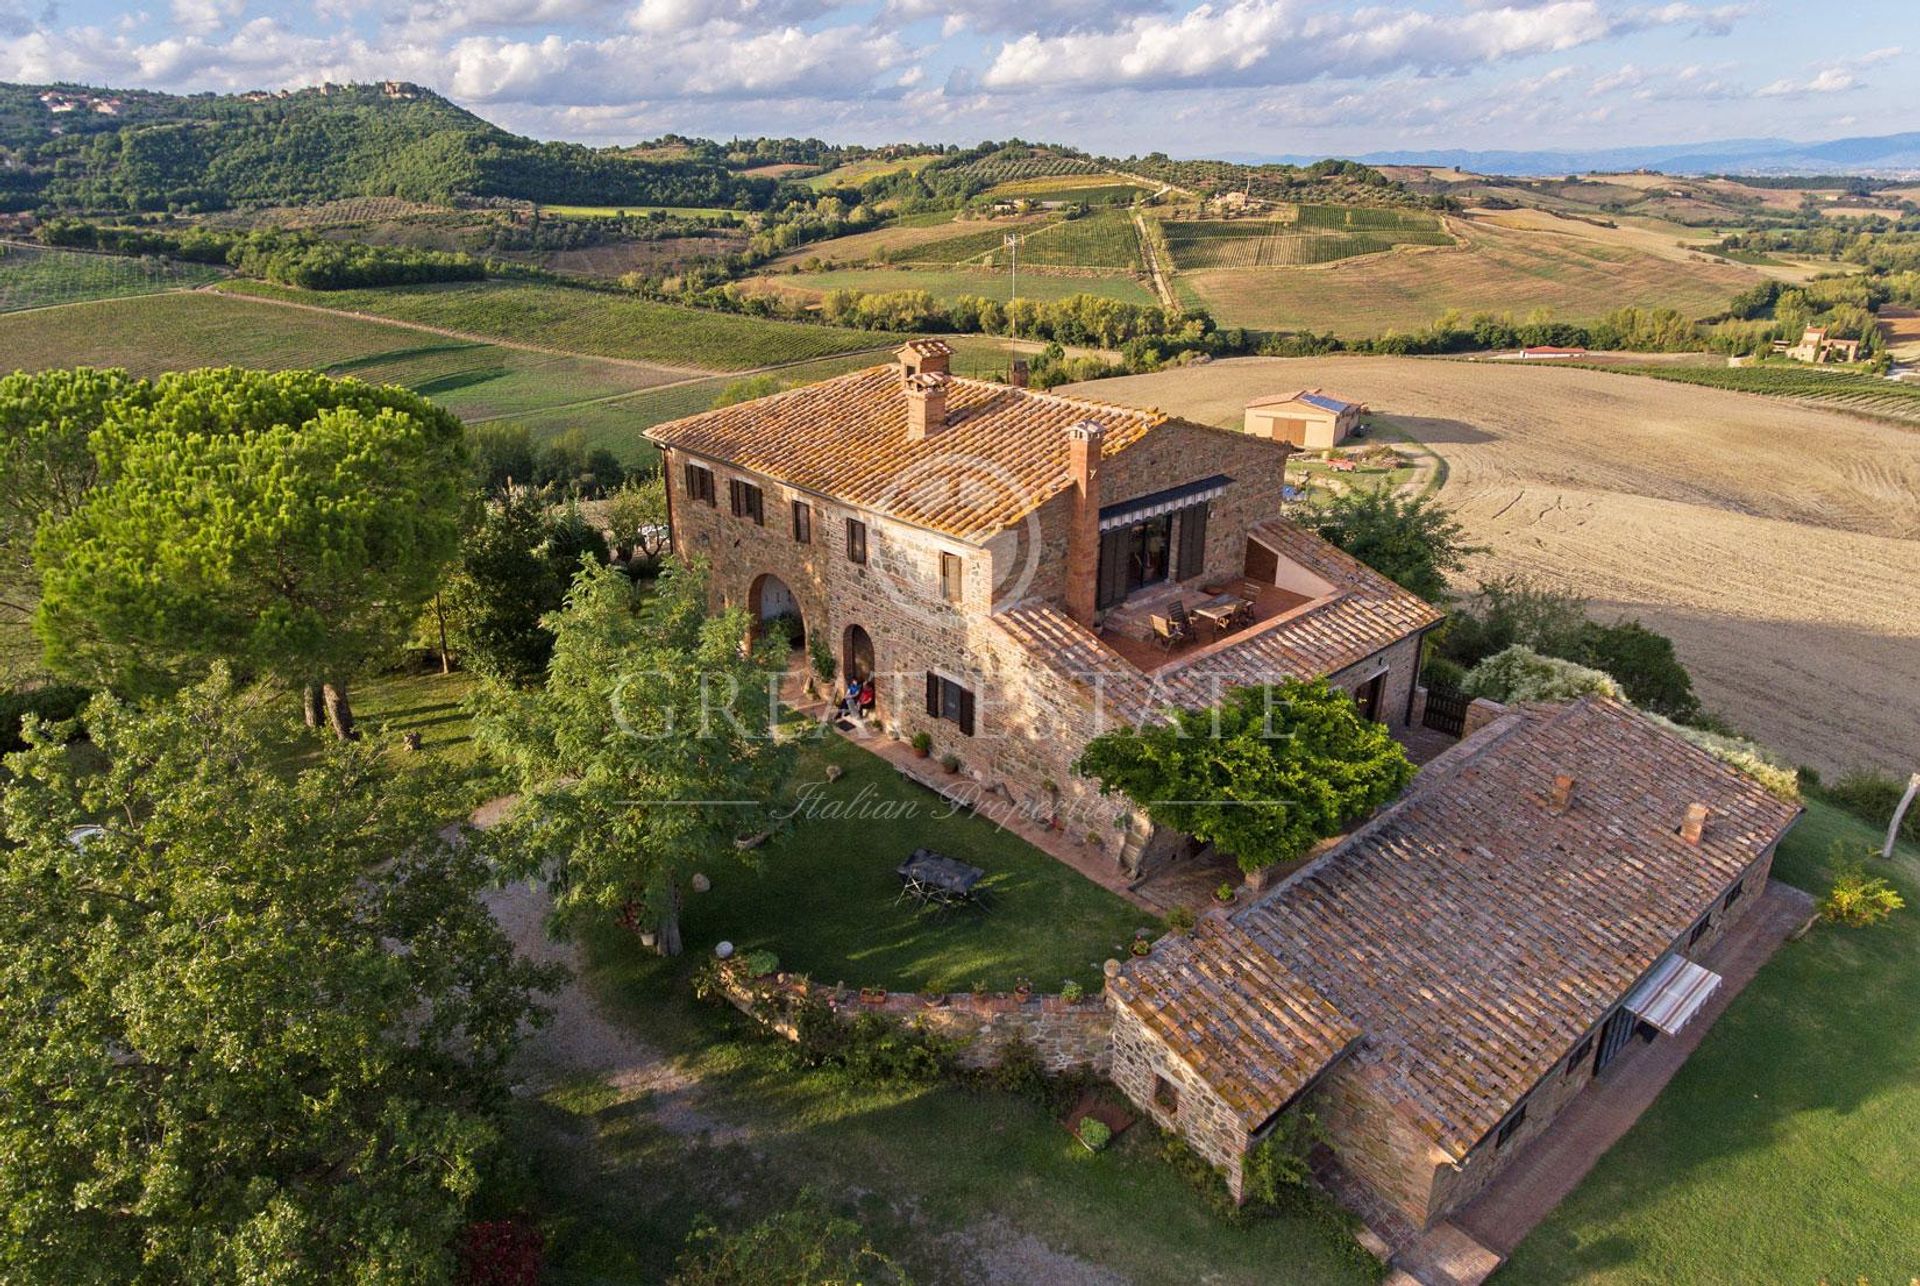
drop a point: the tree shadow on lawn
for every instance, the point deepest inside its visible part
(823, 894)
(1786, 1144)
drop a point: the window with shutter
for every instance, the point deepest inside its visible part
(746, 501)
(1193, 542)
(700, 484)
(933, 695)
(802, 522)
(1111, 587)
(948, 700)
(952, 579)
(856, 541)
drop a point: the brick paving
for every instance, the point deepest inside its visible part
(1553, 1165)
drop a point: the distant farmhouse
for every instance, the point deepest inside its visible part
(1816, 346)
(1311, 419)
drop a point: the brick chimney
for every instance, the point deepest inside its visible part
(1562, 793)
(1017, 373)
(1083, 535)
(926, 405)
(925, 357)
(1695, 823)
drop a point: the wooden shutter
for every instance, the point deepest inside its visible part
(966, 711)
(933, 695)
(856, 540)
(1193, 542)
(803, 522)
(735, 500)
(1111, 586)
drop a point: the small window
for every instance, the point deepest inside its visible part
(1166, 1093)
(948, 700)
(1700, 929)
(747, 501)
(1733, 894)
(1508, 1126)
(952, 578)
(856, 541)
(1578, 1058)
(802, 522)
(700, 484)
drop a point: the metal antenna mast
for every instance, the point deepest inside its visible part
(1012, 243)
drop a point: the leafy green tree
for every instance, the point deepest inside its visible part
(291, 523)
(502, 454)
(648, 752)
(502, 588)
(1412, 540)
(253, 1028)
(1264, 775)
(1519, 673)
(46, 463)
(637, 516)
(1643, 663)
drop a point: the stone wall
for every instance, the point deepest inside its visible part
(1198, 1115)
(1069, 1037)
(1480, 713)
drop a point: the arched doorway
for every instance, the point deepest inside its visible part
(772, 605)
(856, 654)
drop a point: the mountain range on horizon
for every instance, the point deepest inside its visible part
(1875, 155)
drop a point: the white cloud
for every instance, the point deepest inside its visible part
(1035, 17)
(1832, 80)
(200, 17)
(1275, 42)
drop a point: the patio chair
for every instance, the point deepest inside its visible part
(1168, 634)
(1177, 613)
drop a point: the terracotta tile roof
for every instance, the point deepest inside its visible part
(1002, 454)
(1251, 1028)
(1367, 613)
(1474, 932)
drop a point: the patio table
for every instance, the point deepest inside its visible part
(1221, 611)
(939, 880)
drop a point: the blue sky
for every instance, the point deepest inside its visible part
(1228, 76)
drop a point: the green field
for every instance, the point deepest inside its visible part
(550, 394)
(592, 323)
(1842, 390)
(1307, 234)
(952, 283)
(1785, 1149)
(34, 278)
(1100, 190)
(854, 173)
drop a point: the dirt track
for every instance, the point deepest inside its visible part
(1779, 546)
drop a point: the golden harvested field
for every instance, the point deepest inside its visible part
(1902, 329)
(1778, 545)
(883, 244)
(1499, 270)
(1649, 236)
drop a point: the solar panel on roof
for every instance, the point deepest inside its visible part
(1325, 403)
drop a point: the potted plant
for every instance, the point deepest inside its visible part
(932, 997)
(1022, 988)
(1093, 1133)
(1224, 894)
(1141, 946)
(950, 762)
(1072, 992)
(922, 744)
(873, 995)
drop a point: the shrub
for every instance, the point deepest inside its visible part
(1181, 919)
(807, 1243)
(869, 1048)
(1414, 541)
(1521, 674)
(1745, 757)
(759, 964)
(1094, 1133)
(1872, 797)
(53, 702)
(1072, 992)
(1643, 663)
(1858, 899)
(1515, 609)
(1279, 1161)
(1442, 674)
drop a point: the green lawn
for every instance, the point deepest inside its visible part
(1787, 1149)
(590, 322)
(823, 895)
(34, 278)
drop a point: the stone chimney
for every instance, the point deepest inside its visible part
(925, 357)
(1562, 793)
(1017, 373)
(926, 405)
(1695, 823)
(1083, 535)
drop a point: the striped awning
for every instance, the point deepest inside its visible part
(1162, 502)
(1673, 993)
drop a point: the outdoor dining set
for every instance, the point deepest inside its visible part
(942, 883)
(1223, 613)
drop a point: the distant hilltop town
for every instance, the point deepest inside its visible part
(58, 103)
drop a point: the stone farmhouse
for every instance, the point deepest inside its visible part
(1313, 419)
(1817, 346)
(1006, 566)
(1440, 985)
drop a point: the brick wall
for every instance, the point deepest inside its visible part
(1069, 1037)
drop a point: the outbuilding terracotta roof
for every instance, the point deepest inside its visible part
(1247, 1025)
(1475, 931)
(1002, 454)
(1365, 614)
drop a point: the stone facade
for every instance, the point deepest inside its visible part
(1069, 1036)
(1378, 1140)
(1144, 1070)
